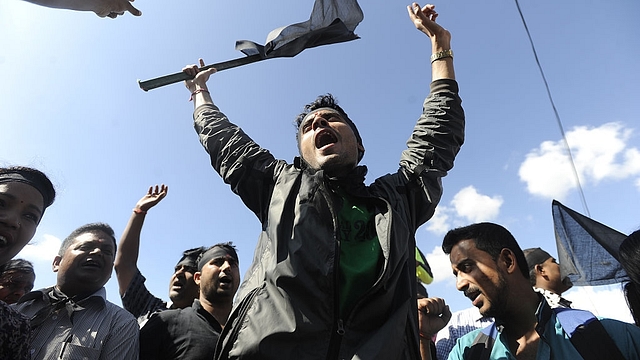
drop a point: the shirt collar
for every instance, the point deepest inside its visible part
(554, 300)
(99, 296)
(543, 314)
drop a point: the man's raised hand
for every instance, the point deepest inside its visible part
(153, 196)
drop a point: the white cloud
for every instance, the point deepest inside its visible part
(41, 251)
(604, 301)
(599, 153)
(439, 222)
(467, 206)
(440, 265)
(476, 207)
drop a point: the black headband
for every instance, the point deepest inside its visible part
(26, 178)
(216, 252)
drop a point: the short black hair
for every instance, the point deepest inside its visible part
(17, 265)
(629, 255)
(488, 237)
(88, 228)
(192, 255)
(327, 101)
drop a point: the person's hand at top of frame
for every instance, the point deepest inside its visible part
(200, 76)
(113, 8)
(153, 197)
(433, 315)
(425, 20)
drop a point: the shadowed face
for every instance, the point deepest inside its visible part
(182, 289)
(480, 278)
(86, 264)
(328, 143)
(14, 284)
(219, 279)
(21, 207)
(551, 269)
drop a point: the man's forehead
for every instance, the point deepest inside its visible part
(227, 257)
(187, 262)
(463, 250)
(94, 236)
(323, 110)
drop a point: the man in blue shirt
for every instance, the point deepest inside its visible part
(491, 270)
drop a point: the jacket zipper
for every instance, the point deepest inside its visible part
(223, 348)
(337, 331)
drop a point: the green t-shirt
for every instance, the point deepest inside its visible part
(360, 252)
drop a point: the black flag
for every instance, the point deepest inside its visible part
(331, 21)
(587, 249)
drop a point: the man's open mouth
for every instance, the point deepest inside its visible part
(3, 241)
(324, 138)
(92, 264)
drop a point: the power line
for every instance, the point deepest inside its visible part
(555, 111)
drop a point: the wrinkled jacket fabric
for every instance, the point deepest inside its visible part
(287, 305)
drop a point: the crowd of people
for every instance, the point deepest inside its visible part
(334, 270)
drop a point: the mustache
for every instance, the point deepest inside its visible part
(470, 291)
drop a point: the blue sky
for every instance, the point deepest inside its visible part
(70, 106)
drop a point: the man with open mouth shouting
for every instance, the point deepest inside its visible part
(192, 332)
(333, 275)
(73, 319)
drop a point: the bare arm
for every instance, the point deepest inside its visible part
(126, 262)
(102, 8)
(433, 315)
(425, 20)
(198, 85)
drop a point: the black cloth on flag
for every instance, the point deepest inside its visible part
(587, 249)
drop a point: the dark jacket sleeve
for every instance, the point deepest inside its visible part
(432, 147)
(249, 169)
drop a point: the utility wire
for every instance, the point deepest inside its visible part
(555, 111)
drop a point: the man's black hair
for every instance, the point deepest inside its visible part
(17, 265)
(192, 255)
(327, 101)
(88, 228)
(488, 237)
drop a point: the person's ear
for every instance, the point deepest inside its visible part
(541, 271)
(196, 277)
(55, 266)
(360, 152)
(508, 258)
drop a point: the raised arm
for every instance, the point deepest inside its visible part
(442, 56)
(198, 85)
(433, 315)
(126, 262)
(249, 169)
(102, 8)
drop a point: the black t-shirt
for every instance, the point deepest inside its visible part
(190, 333)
